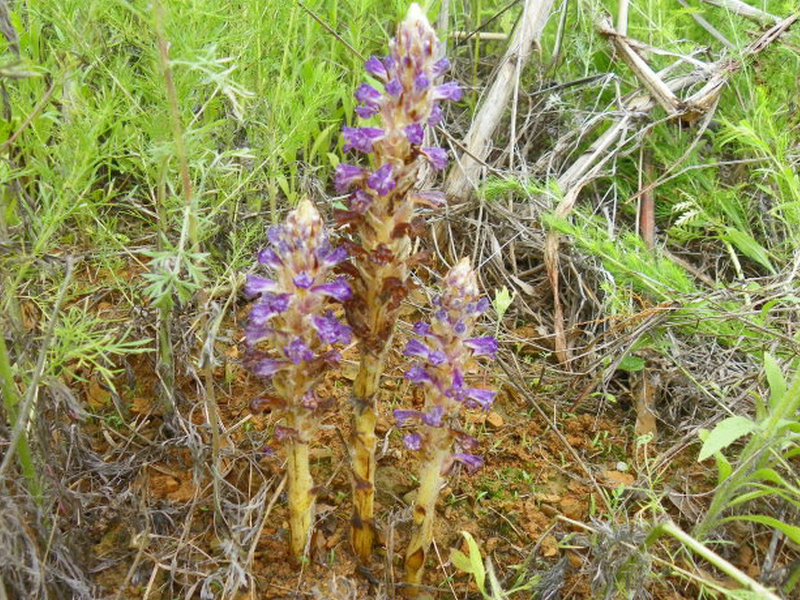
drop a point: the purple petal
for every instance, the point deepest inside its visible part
(360, 202)
(436, 156)
(332, 256)
(412, 441)
(330, 331)
(417, 374)
(393, 88)
(472, 462)
(447, 91)
(258, 285)
(436, 116)
(268, 367)
(421, 82)
(283, 433)
(345, 176)
(268, 257)
(402, 417)
(298, 352)
(303, 281)
(437, 357)
(440, 67)
(416, 348)
(381, 180)
(415, 134)
(430, 198)
(375, 67)
(465, 441)
(482, 397)
(366, 112)
(459, 328)
(309, 401)
(421, 328)
(338, 290)
(481, 305)
(255, 333)
(366, 94)
(434, 417)
(361, 138)
(483, 346)
(267, 307)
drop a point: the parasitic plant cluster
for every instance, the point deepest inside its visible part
(292, 331)
(444, 353)
(381, 220)
(291, 336)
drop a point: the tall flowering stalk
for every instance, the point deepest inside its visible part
(444, 352)
(381, 221)
(290, 334)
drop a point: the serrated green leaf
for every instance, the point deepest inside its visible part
(724, 434)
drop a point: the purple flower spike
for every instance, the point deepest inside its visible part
(418, 374)
(258, 285)
(330, 331)
(361, 138)
(298, 352)
(375, 67)
(472, 462)
(402, 417)
(338, 290)
(436, 156)
(346, 176)
(381, 180)
(415, 134)
(448, 91)
(412, 441)
(421, 82)
(483, 346)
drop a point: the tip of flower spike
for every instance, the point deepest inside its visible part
(306, 212)
(415, 15)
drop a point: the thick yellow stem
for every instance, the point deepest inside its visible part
(430, 482)
(301, 498)
(365, 388)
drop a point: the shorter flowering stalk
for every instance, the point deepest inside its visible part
(445, 352)
(290, 336)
